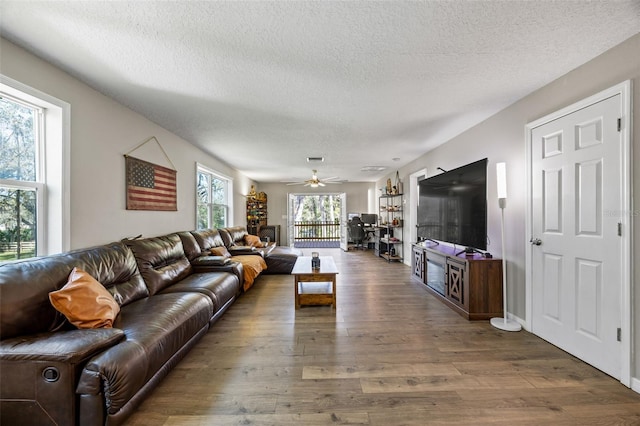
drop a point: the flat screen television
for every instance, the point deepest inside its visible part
(452, 206)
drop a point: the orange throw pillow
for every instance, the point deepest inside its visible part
(220, 251)
(85, 302)
(253, 241)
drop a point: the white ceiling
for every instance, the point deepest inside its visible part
(262, 85)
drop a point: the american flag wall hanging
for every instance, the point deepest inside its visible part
(149, 186)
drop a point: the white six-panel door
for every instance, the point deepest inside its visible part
(576, 250)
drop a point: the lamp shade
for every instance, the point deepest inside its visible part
(501, 174)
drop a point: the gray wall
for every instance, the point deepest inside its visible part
(102, 131)
(502, 138)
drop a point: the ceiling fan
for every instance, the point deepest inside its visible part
(315, 182)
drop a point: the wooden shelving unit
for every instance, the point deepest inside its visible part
(389, 233)
(256, 212)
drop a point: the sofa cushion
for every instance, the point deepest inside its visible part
(85, 302)
(232, 267)
(25, 285)
(156, 331)
(208, 238)
(161, 261)
(220, 287)
(280, 259)
(233, 236)
(191, 248)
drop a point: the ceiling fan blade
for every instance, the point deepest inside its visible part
(320, 184)
(295, 183)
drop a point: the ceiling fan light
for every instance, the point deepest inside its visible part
(314, 185)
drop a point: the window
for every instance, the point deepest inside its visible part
(34, 210)
(213, 199)
(21, 191)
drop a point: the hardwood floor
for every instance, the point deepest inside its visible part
(390, 354)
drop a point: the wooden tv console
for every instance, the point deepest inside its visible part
(470, 284)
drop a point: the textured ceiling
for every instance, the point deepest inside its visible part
(263, 85)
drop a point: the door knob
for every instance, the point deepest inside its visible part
(535, 241)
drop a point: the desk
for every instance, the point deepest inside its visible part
(315, 287)
(369, 231)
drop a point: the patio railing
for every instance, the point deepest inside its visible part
(316, 231)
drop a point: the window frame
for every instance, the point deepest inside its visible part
(53, 229)
(228, 196)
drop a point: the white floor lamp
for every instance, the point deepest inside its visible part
(503, 323)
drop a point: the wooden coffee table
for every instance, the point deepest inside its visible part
(315, 287)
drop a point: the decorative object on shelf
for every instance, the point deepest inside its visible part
(252, 193)
(150, 186)
(398, 185)
(389, 188)
(503, 323)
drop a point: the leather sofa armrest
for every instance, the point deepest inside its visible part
(70, 346)
(210, 261)
(240, 250)
(39, 374)
(235, 268)
(267, 249)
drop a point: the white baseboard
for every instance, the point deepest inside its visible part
(635, 384)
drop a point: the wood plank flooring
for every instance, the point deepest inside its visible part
(390, 354)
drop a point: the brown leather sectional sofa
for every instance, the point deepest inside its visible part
(170, 292)
(279, 259)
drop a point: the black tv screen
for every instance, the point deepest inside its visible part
(453, 206)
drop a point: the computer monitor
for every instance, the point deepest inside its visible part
(352, 215)
(369, 218)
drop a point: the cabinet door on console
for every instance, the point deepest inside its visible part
(418, 264)
(457, 290)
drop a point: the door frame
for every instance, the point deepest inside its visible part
(290, 222)
(414, 197)
(626, 207)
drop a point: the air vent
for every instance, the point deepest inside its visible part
(315, 159)
(373, 168)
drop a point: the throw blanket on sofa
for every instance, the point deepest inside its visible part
(252, 265)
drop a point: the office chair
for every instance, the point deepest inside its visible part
(356, 232)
